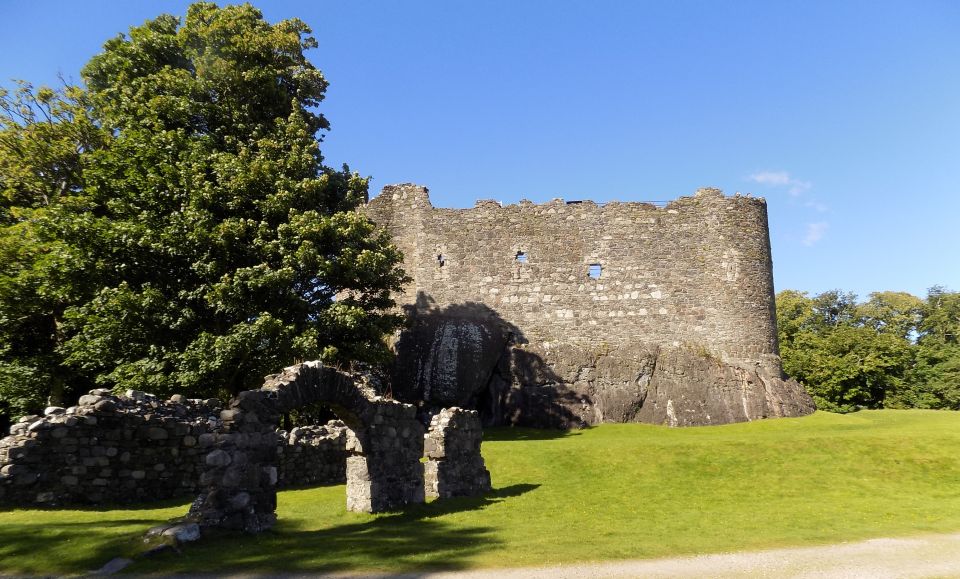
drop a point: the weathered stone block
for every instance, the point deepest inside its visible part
(218, 458)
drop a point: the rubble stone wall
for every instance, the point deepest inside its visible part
(239, 481)
(137, 448)
(313, 455)
(455, 467)
(107, 449)
(384, 470)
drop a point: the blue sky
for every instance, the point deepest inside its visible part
(844, 115)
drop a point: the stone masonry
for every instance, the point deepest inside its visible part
(240, 480)
(137, 448)
(455, 467)
(572, 313)
(384, 470)
(313, 455)
(124, 449)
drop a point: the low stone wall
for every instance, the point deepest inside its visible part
(137, 448)
(454, 466)
(133, 448)
(313, 455)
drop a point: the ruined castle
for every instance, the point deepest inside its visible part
(571, 312)
(555, 315)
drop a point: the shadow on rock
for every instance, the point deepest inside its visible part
(467, 355)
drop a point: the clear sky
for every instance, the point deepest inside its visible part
(844, 115)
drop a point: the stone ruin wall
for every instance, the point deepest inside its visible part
(385, 445)
(137, 448)
(679, 328)
(313, 455)
(454, 466)
(697, 271)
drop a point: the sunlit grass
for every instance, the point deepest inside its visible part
(610, 492)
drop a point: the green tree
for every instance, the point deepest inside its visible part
(895, 313)
(934, 379)
(214, 246)
(941, 317)
(44, 135)
(847, 355)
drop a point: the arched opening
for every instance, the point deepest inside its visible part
(384, 445)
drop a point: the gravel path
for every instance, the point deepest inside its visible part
(923, 556)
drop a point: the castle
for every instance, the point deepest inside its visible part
(572, 312)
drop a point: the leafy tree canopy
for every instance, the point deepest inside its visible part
(172, 227)
(894, 350)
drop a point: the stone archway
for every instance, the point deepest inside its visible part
(240, 477)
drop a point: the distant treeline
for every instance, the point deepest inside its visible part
(893, 350)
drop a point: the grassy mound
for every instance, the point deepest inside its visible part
(611, 492)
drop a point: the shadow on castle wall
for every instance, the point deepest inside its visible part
(467, 355)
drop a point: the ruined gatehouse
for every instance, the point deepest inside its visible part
(572, 312)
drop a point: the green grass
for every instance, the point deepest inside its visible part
(610, 492)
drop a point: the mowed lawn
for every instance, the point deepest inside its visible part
(610, 492)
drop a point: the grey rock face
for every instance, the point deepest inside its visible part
(566, 385)
(446, 361)
(690, 389)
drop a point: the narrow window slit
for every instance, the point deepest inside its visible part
(594, 271)
(521, 257)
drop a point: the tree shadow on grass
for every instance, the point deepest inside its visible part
(146, 505)
(416, 538)
(46, 546)
(520, 434)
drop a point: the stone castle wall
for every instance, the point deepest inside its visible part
(572, 313)
(107, 449)
(697, 271)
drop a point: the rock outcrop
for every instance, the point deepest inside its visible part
(564, 385)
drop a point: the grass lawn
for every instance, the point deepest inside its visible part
(610, 492)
